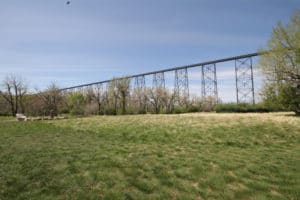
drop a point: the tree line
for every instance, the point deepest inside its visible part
(117, 98)
(281, 91)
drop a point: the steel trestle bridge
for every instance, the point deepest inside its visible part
(244, 81)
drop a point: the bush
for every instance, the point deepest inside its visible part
(142, 111)
(5, 113)
(91, 109)
(194, 108)
(110, 111)
(240, 108)
(76, 103)
(178, 110)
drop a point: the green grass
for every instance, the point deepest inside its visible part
(5, 118)
(189, 156)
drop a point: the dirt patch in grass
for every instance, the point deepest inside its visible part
(275, 193)
(236, 186)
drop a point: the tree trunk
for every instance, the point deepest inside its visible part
(11, 102)
(123, 103)
(115, 108)
(16, 98)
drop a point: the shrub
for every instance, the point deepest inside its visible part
(110, 111)
(76, 103)
(240, 108)
(178, 110)
(194, 108)
(91, 109)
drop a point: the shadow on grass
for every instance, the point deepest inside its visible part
(292, 115)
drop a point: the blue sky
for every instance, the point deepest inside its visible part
(91, 40)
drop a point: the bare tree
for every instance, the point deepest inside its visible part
(139, 100)
(156, 98)
(167, 99)
(51, 98)
(99, 97)
(14, 91)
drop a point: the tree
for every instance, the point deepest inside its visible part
(139, 99)
(14, 91)
(94, 99)
(76, 103)
(156, 98)
(281, 66)
(4, 107)
(117, 95)
(123, 86)
(52, 99)
(112, 97)
(99, 97)
(167, 99)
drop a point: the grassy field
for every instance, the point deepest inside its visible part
(188, 156)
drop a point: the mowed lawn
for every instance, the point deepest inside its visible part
(188, 156)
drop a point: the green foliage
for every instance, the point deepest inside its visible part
(5, 113)
(193, 108)
(196, 156)
(123, 86)
(281, 67)
(178, 110)
(186, 109)
(141, 111)
(4, 107)
(289, 96)
(110, 111)
(281, 97)
(240, 108)
(270, 95)
(76, 103)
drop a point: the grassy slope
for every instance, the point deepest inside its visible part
(196, 156)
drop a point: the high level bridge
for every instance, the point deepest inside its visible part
(244, 79)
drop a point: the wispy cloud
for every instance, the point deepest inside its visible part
(96, 40)
(112, 33)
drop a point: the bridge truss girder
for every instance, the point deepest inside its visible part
(158, 80)
(244, 80)
(139, 82)
(209, 89)
(181, 87)
(140, 92)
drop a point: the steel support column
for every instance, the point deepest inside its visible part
(80, 90)
(209, 89)
(244, 80)
(181, 87)
(158, 80)
(99, 92)
(139, 82)
(140, 92)
(70, 91)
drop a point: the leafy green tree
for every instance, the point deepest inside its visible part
(76, 103)
(281, 66)
(123, 86)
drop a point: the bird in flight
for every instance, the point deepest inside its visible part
(68, 2)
